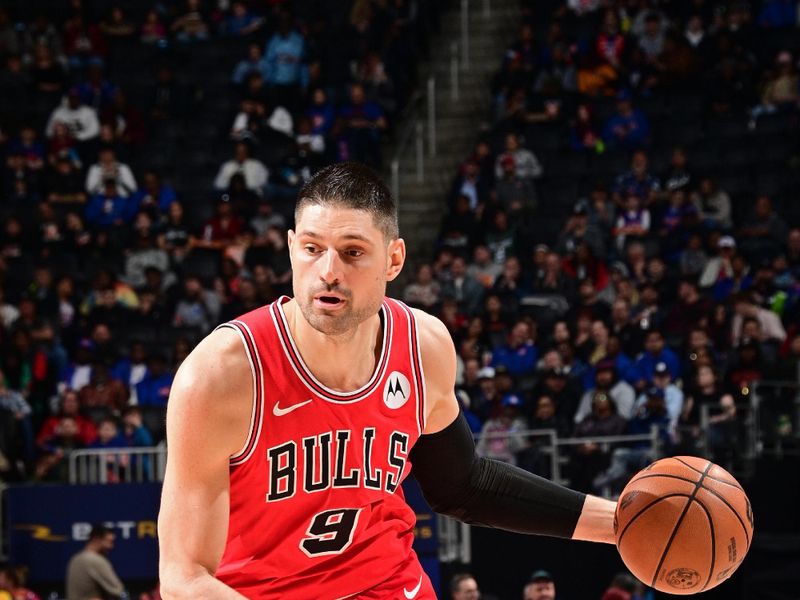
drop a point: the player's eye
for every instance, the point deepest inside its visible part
(311, 249)
(354, 253)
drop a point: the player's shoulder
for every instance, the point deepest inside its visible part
(433, 334)
(218, 366)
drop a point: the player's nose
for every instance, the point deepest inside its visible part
(331, 267)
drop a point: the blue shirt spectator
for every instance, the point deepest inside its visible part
(284, 58)
(254, 63)
(153, 192)
(520, 354)
(655, 352)
(241, 21)
(629, 128)
(154, 389)
(321, 113)
(108, 209)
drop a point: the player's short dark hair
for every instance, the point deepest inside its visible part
(99, 531)
(352, 185)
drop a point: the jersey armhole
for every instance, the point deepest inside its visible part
(416, 357)
(257, 370)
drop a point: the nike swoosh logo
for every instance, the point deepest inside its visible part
(279, 412)
(412, 594)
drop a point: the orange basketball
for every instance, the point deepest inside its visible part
(683, 525)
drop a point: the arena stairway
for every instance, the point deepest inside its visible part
(422, 205)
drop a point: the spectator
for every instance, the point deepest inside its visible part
(651, 39)
(108, 169)
(89, 573)
(83, 42)
(108, 208)
(519, 354)
(131, 369)
(540, 586)
(103, 391)
(463, 288)
(253, 63)
(764, 232)
(425, 292)
(719, 267)
(770, 325)
(688, 312)
(629, 128)
(253, 170)
(241, 22)
(321, 112)
(633, 222)
(153, 30)
(618, 391)
(96, 91)
(198, 307)
(13, 403)
(225, 226)
(65, 184)
(500, 439)
(655, 352)
(117, 25)
(145, 254)
(52, 463)
(284, 69)
(153, 389)
(580, 228)
(363, 122)
(482, 268)
(673, 396)
(12, 580)
(602, 421)
(515, 194)
(637, 181)
(526, 164)
(81, 120)
(584, 134)
(191, 25)
(116, 463)
(782, 89)
(464, 587)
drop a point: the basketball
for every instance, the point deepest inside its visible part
(683, 525)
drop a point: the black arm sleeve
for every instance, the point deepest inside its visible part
(458, 483)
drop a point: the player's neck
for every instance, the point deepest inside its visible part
(361, 346)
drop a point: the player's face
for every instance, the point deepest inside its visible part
(341, 262)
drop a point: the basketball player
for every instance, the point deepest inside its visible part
(292, 428)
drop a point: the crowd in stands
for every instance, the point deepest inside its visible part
(621, 249)
(151, 154)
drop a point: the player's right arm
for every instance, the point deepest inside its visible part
(208, 418)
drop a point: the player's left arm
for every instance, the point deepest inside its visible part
(457, 482)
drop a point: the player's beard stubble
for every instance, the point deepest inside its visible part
(341, 320)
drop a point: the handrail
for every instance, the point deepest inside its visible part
(117, 465)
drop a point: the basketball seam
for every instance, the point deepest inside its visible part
(713, 542)
(711, 477)
(638, 514)
(733, 510)
(697, 486)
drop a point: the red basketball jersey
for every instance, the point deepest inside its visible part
(316, 506)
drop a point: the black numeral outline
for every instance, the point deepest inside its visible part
(327, 534)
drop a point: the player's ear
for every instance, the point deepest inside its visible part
(396, 258)
(290, 237)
